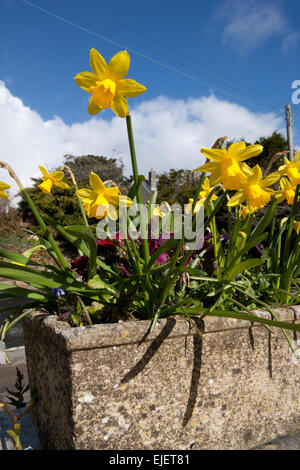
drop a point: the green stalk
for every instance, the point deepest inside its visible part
(217, 243)
(138, 194)
(43, 226)
(65, 167)
(83, 214)
(271, 311)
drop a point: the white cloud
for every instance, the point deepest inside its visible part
(168, 134)
(290, 42)
(249, 24)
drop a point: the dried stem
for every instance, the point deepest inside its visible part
(12, 174)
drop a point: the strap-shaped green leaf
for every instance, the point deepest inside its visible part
(134, 188)
(166, 246)
(85, 234)
(14, 291)
(80, 245)
(253, 318)
(17, 258)
(253, 241)
(247, 264)
(265, 220)
(37, 278)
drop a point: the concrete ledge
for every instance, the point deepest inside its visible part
(107, 387)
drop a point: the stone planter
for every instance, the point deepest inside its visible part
(112, 387)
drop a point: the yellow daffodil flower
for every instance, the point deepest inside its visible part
(101, 201)
(287, 191)
(161, 210)
(107, 84)
(244, 211)
(3, 187)
(206, 190)
(255, 191)
(189, 206)
(297, 226)
(291, 169)
(227, 166)
(55, 178)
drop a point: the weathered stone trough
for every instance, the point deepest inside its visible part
(111, 386)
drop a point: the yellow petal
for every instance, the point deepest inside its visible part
(86, 194)
(257, 173)
(120, 106)
(130, 88)
(236, 199)
(270, 179)
(46, 186)
(207, 167)
(246, 169)
(235, 148)
(57, 175)
(216, 155)
(44, 171)
(98, 64)
(85, 80)
(249, 152)
(98, 211)
(297, 226)
(215, 177)
(188, 207)
(62, 185)
(118, 66)
(4, 186)
(96, 183)
(112, 195)
(3, 195)
(297, 156)
(93, 107)
(112, 212)
(232, 175)
(124, 201)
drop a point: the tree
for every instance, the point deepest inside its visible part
(106, 168)
(177, 186)
(272, 145)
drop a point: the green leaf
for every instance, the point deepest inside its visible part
(17, 258)
(134, 188)
(37, 278)
(217, 204)
(80, 245)
(252, 241)
(97, 283)
(247, 264)
(166, 246)
(21, 292)
(85, 234)
(253, 318)
(264, 221)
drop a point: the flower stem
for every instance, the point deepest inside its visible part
(85, 221)
(39, 219)
(43, 226)
(138, 192)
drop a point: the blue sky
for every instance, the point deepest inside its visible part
(241, 54)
